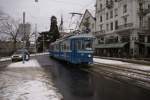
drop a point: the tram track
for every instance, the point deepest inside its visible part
(137, 77)
(117, 67)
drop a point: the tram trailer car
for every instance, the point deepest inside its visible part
(76, 49)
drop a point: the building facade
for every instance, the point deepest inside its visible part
(88, 22)
(123, 28)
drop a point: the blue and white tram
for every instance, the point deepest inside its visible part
(76, 49)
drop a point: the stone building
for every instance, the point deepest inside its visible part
(123, 28)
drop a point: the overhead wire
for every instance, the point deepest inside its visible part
(83, 8)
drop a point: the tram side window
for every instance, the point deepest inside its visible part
(79, 45)
(61, 47)
(57, 47)
(65, 46)
(68, 46)
(54, 47)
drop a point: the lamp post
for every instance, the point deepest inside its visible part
(23, 61)
(43, 43)
(35, 38)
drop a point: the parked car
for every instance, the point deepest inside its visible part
(20, 54)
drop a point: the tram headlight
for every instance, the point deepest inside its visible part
(89, 56)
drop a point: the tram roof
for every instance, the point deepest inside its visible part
(73, 37)
(82, 36)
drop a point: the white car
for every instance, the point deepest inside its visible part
(19, 54)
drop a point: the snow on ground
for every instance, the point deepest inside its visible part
(30, 63)
(39, 54)
(5, 59)
(39, 87)
(9, 58)
(121, 63)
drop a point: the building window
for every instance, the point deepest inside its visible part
(140, 6)
(125, 38)
(93, 25)
(111, 26)
(141, 38)
(148, 6)
(101, 6)
(125, 20)
(101, 27)
(125, 8)
(116, 24)
(107, 16)
(116, 12)
(148, 39)
(101, 18)
(111, 14)
(107, 27)
(149, 23)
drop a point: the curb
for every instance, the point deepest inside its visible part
(142, 62)
(32, 55)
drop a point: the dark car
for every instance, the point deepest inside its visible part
(20, 54)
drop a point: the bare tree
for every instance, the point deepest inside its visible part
(10, 28)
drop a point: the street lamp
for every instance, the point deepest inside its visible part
(36, 0)
(43, 43)
(24, 37)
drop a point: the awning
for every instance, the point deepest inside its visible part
(145, 44)
(114, 45)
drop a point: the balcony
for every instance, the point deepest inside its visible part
(143, 12)
(109, 4)
(99, 32)
(125, 26)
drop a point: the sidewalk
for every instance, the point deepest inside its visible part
(133, 60)
(32, 55)
(122, 64)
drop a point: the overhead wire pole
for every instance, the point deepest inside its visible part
(43, 43)
(35, 38)
(36, 1)
(24, 37)
(72, 15)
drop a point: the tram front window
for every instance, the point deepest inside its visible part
(88, 45)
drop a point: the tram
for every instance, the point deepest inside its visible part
(75, 49)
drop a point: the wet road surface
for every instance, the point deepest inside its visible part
(48, 79)
(78, 84)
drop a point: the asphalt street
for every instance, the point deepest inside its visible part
(43, 78)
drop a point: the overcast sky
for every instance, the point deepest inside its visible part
(40, 13)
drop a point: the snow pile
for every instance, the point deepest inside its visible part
(36, 90)
(105, 61)
(30, 63)
(123, 64)
(5, 59)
